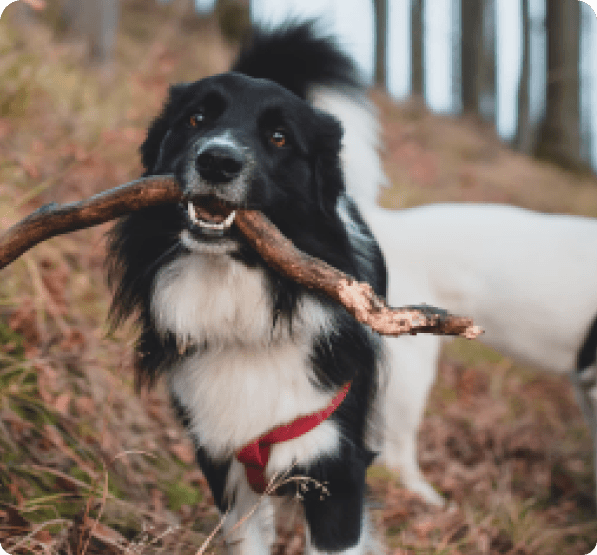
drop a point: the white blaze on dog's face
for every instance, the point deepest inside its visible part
(237, 142)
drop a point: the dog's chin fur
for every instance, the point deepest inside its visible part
(217, 247)
(244, 349)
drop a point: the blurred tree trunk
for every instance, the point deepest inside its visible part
(381, 21)
(234, 19)
(587, 108)
(71, 15)
(471, 17)
(559, 137)
(487, 64)
(95, 20)
(456, 84)
(417, 54)
(100, 20)
(523, 139)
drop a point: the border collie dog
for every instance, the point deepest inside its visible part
(268, 377)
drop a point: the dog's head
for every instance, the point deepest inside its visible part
(233, 142)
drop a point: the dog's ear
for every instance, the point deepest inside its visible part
(329, 182)
(150, 149)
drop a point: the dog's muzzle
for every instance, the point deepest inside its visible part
(219, 164)
(215, 186)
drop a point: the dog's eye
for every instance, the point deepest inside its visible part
(278, 138)
(196, 119)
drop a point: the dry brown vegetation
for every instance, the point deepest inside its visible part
(89, 466)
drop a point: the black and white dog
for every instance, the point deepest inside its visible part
(248, 354)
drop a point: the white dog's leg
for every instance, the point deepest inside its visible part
(412, 365)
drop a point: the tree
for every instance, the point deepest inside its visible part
(471, 17)
(417, 53)
(100, 21)
(559, 135)
(381, 39)
(234, 19)
(96, 21)
(456, 81)
(487, 63)
(524, 139)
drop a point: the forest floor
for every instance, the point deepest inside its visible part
(87, 465)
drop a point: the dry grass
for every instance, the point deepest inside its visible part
(506, 445)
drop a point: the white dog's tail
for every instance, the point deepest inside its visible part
(363, 172)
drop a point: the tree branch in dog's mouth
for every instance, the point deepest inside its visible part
(276, 250)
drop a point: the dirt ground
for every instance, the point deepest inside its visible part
(87, 465)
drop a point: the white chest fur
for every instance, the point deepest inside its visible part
(249, 378)
(212, 299)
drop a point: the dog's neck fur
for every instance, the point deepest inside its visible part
(213, 300)
(217, 301)
(255, 372)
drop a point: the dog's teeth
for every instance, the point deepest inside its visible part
(219, 226)
(228, 221)
(192, 213)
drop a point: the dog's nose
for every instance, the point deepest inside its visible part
(219, 164)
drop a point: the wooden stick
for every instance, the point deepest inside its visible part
(277, 251)
(357, 297)
(54, 219)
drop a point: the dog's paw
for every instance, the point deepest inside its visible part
(427, 492)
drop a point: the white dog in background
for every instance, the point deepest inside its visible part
(529, 279)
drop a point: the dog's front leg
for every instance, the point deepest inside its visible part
(365, 544)
(337, 520)
(249, 525)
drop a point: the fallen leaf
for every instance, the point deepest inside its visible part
(62, 403)
(85, 405)
(43, 536)
(184, 452)
(157, 500)
(107, 535)
(16, 493)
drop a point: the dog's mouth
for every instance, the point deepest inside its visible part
(209, 216)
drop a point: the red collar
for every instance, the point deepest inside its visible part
(255, 455)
